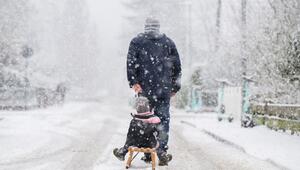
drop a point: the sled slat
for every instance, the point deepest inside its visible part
(151, 151)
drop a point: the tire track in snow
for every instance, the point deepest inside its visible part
(91, 147)
(186, 155)
(221, 156)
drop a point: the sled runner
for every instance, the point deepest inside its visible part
(144, 150)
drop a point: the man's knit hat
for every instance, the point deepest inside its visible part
(152, 25)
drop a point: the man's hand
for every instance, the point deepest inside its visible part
(137, 88)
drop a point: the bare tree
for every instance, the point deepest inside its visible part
(218, 25)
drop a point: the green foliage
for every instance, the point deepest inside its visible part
(260, 120)
(284, 118)
(283, 125)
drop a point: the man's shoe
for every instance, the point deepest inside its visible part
(117, 152)
(146, 159)
(164, 159)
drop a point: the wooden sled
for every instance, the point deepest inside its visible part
(131, 150)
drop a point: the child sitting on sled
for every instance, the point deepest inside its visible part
(142, 130)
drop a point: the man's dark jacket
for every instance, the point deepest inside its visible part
(153, 62)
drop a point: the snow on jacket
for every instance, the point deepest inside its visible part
(154, 63)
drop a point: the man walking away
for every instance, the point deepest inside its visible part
(154, 71)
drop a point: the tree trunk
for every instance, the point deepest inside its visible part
(243, 56)
(218, 25)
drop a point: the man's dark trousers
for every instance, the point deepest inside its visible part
(162, 110)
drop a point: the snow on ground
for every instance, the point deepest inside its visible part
(40, 134)
(82, 135)
(261, 142)
(23, 132)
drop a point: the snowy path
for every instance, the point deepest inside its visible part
(81, 136)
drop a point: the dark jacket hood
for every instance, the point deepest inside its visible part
(152, 35)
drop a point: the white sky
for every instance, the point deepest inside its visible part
(108, 17)
(107, 14)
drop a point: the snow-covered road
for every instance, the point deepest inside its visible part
(81, 136)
